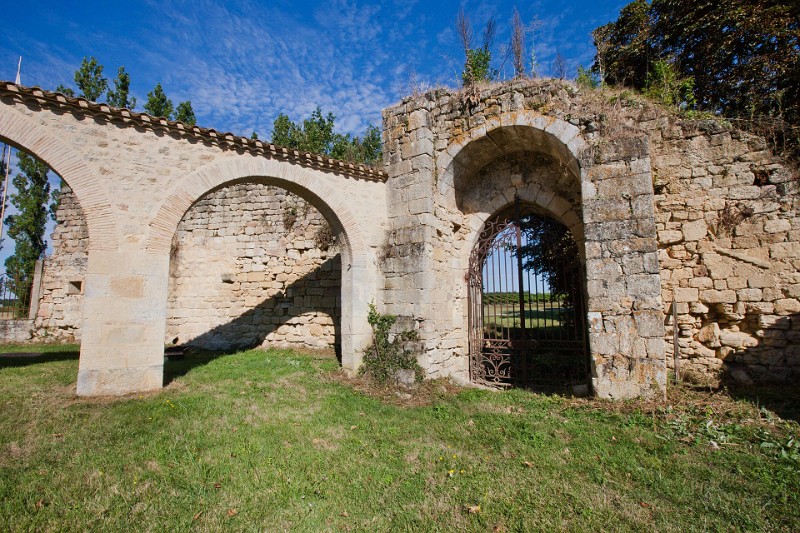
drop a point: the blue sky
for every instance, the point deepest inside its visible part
(241, 63)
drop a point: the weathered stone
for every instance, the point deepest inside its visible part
(777, 225)
(737, 339)
(694, 231)
(718, 296)
(718, 239)
(787, 306)
(710, 335)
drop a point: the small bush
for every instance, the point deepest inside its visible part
(385, 357)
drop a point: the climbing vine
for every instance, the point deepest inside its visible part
(388, 352)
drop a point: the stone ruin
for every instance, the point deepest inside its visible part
(688, 232)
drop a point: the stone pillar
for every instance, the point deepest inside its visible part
(626, 329)
(358, 285)
(124, 319)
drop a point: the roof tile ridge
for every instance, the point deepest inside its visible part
(226, 139)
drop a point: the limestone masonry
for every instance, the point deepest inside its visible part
(176, 234)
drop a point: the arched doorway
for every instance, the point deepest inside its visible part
(527, 310)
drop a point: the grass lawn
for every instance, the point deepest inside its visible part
(280, 440)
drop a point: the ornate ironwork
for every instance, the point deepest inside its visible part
(522, 331)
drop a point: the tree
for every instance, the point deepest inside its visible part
(27, 227)
(559, 66)
(742, 56)
(586, 78)
(665, 84)
(316, 135)
(184, 113)
(285, 132)
(625, 47)
(89, 79)
(477, 65)
(118, 97)
(158, 104)
(551, 253)
(366, 149)
(66, 91)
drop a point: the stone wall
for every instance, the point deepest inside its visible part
(16, 330)
(250, 265)
(455, 159)
(60, 309)
(728, 215)
(694, 209)
(663, 209)
(253, 265)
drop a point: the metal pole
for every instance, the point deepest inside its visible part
(675, 350)
(7, 154)
(519, 267)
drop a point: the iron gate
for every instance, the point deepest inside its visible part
(526, 306)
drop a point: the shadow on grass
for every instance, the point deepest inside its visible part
(783, 400)
(176, 366)
(19, 359)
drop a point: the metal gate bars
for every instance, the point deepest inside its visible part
(526, 305)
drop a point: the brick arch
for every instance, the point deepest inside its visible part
(25, 134)
(508, 133)
(308, 184)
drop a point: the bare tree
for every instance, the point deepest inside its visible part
(518, 45)
(559, 66)
(489, 33)
(464, 30)
(534, 27)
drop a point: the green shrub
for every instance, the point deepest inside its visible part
(385, 357)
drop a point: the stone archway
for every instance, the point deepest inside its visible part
(527, 316)
(21, 132)
(254, 265)
(356, 278)
(135, 175)
(603, 193)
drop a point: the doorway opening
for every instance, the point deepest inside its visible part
(527, 309)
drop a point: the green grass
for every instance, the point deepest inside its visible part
(278, 440)
(544, 315)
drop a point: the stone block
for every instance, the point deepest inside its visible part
(737, 339)
(649, 323)
(686, 294)
(694, 231)
(667, 237)
(127, 287)
(710, 335)
(777, 225)
(749, 295)
(718, 296)
(787, 306)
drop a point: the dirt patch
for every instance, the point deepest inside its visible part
(422, 394)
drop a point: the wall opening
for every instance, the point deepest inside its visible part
(254, 265)
(527, 305)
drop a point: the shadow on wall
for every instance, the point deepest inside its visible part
(769, 376)
(288, 306)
